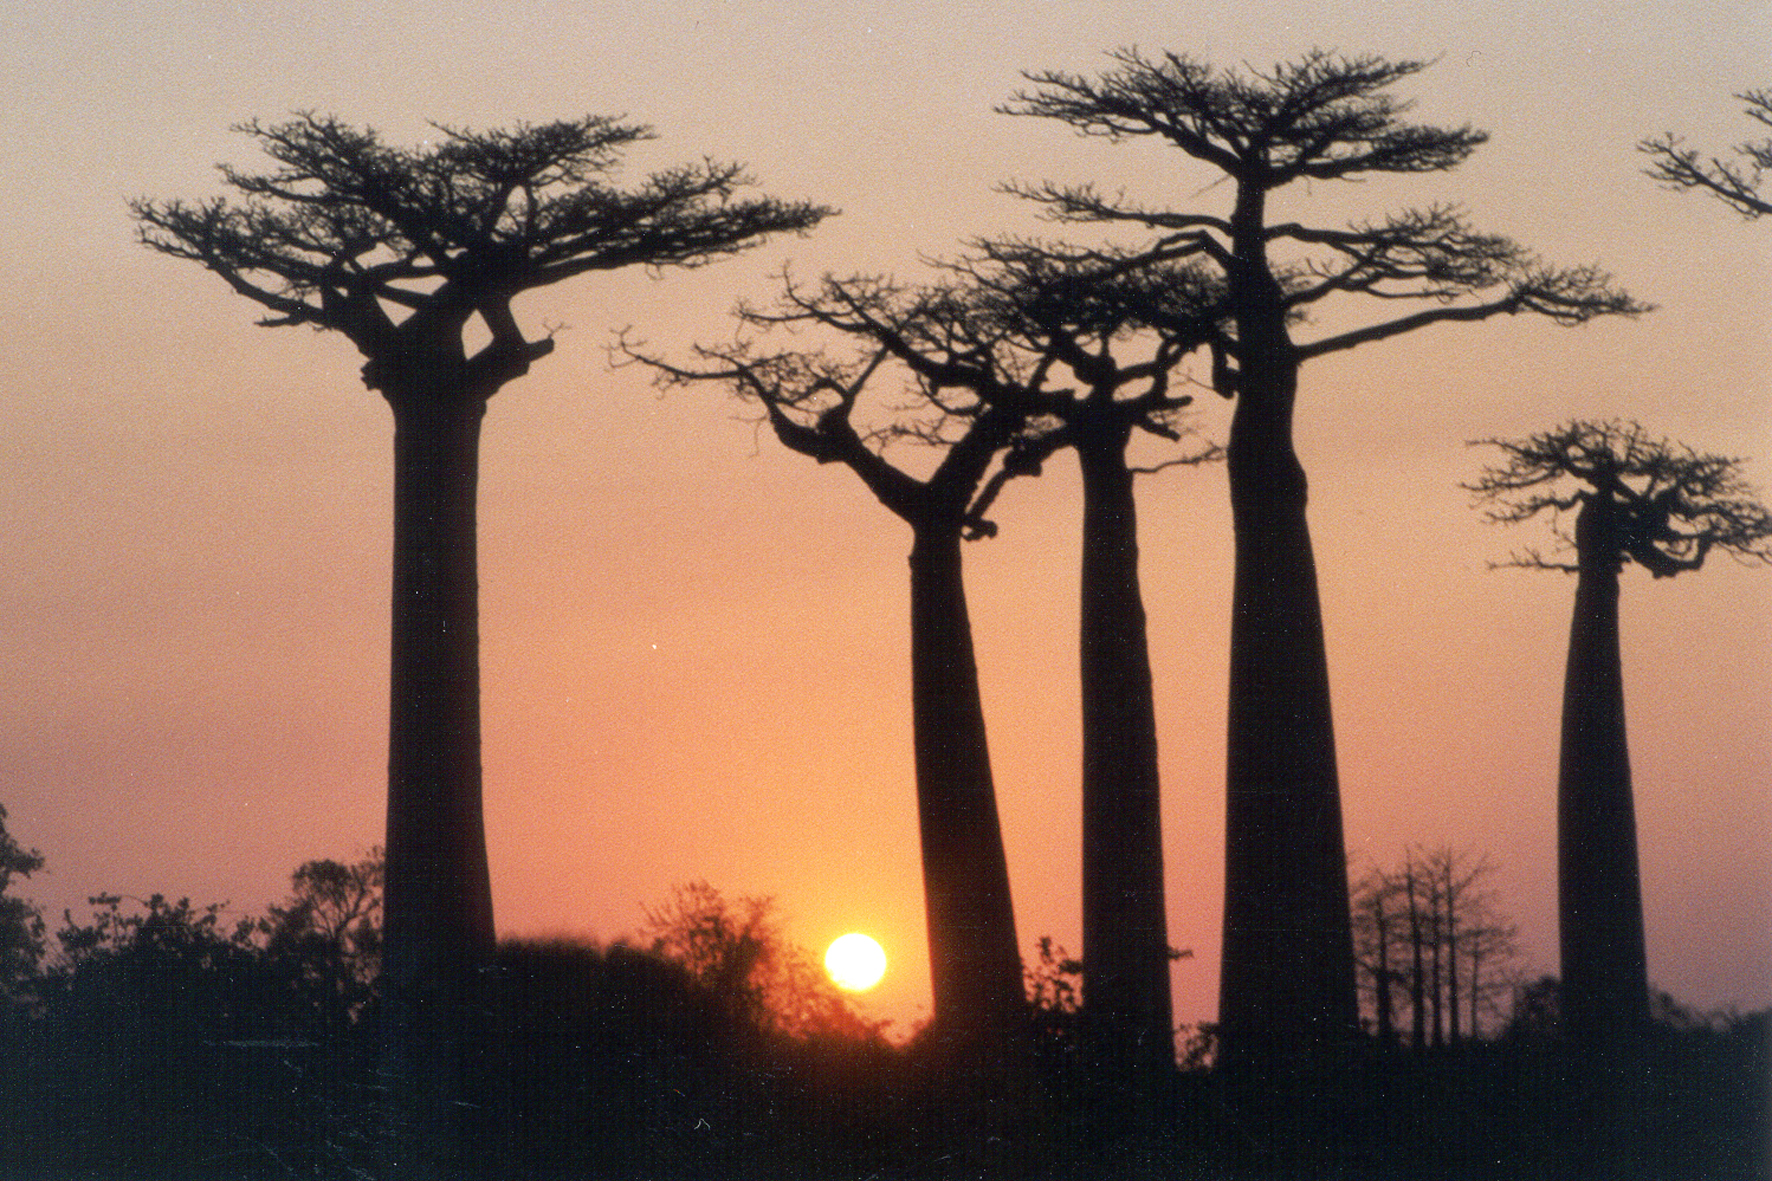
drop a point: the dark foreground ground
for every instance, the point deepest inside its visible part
(609, 1064)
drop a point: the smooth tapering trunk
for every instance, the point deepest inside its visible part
(1127, 1007)
(980, 1011)
(1288, 1006)
(438, 906)
(1605, 991)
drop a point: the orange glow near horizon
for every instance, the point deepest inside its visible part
(855, 961)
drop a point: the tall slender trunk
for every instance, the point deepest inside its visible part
(1287, 993)
(1435, 992)
(980, 1010)
(438, 907)
(1476, 1030)
(1288, 1001)
(1127, 1006)
(1451, 976)
(1605, 995)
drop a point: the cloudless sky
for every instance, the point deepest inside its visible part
(695, 645)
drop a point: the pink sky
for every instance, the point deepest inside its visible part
(694, 644)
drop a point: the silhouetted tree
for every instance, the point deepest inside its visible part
(21, 923)
(1013, 316)
(739, 952)
(1664, 507)
(1378, 913)
(1077, 310)
(1431, 945)
(400, 250)
(1287, 1003)
(1735, 183)
(331, 926)
(810, 401)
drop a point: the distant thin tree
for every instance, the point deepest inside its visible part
(402, 250)
(1433, 947)
(1664, 507)
(1287, 1006)
(1736, 182)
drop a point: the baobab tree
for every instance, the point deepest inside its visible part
(1736, 183)
(810, 399)
(986, 350)
(401, 250)
(1086, 313)
(1664, 507)
(1287, 1005)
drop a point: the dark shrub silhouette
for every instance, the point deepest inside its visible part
(21, 923)
(164, 1041)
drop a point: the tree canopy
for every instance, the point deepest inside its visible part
(1675, 504)
(21, 924)
(1321, 117)
(347, 228)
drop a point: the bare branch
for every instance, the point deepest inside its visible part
(344, 227)
(1736, 184)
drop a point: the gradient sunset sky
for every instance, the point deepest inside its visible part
(695, 646)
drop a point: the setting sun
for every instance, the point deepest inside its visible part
(855, 962)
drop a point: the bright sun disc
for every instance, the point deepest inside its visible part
(855, 963)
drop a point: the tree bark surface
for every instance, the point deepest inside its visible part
(1126, 991)
(1288, 1004)
(980, 1010)
(439, 931)
(1599, 894)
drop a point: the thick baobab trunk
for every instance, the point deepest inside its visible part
(1288, 1005)
(975, 963)
(1605, 996)
(1126, 999)
(438, 905)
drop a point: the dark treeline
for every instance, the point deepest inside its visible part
(372, 1025)
(161, 1039)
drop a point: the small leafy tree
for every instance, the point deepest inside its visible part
(1736, 182)
(738, 951)
(1635, 500)
(329, 928)
(21, 924)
